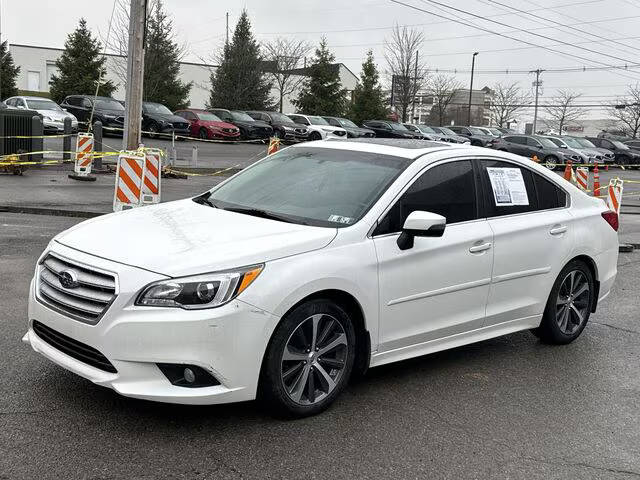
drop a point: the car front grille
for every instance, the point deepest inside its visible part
(73, 348)
(301, 131)
(340, 133)
(180, 125)
(86, 298)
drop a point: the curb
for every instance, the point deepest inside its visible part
(50, 211)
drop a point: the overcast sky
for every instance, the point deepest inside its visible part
(353, 27)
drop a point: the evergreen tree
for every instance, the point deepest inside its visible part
(321, 92)
(239, 82)
(8, 73)
(80, 66)
(162, 63)
(368, 100)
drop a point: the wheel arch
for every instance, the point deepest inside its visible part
(591, 265)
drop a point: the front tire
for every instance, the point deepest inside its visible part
(153, 130)
(569, 305)
(309, 359)
(203, 134)
(551, 162)
(315, 136)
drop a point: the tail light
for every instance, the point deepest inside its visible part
(611, 218)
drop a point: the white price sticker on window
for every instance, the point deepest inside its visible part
(508, 186)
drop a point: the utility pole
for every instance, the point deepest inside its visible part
(415, 89)
(536, 84)
(227, 30)
(135, 75)
(1, 54)
(473, 64)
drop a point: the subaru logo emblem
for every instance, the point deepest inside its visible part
(68, 279)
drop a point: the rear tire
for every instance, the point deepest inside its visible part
(569, 305)
(309, 360)
(550, 162)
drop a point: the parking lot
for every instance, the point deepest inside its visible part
(510, 407)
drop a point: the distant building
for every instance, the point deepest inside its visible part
(38, 64)
(458, 109)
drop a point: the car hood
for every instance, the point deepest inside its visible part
(185, 238)
(115, 113)
(247, 124)
(212, 123)
(358, 130)
(328, 128)
(290, 124)
(166, 117)
(56, 115)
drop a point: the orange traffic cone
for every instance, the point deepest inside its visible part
(535, 159)
(596, 180)
(274, 145)
(568, 171)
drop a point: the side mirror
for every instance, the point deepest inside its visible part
(421, 224)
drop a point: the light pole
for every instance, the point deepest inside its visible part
(473, 64)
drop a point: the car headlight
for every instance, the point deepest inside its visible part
(288, 129)
(200, 291)
(48, 118)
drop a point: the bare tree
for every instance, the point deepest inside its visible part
(562, 110)
(507, 101)
(442, 88)
(408, 71)
(285, 55)
(627, 112)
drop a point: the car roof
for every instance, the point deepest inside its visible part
(32, 97)
(396, 147)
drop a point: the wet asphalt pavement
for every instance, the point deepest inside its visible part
(504, 408)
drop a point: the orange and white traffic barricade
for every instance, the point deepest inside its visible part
(568, 171)
(582, 178)
(274, 145)
(129, 181)
(84, 157)
(151, 185)
(614, 195)
(596, 180)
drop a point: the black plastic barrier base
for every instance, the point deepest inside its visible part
(82, 178)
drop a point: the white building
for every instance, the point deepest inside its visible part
(37, 65)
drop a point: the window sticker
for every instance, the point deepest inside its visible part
(340, 219)
(508, 186)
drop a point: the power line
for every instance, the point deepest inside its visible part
(434, 2)
(462, 22)
(582, 32)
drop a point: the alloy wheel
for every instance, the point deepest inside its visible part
(550, 164)
(572, 304)
(314, 359)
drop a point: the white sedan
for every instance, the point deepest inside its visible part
(318, 262)
(319, 128)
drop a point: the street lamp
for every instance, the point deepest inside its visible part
(473, 64)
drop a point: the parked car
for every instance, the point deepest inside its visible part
(318, 262)
(108, 111)
(489, 131)
(250, 129)
(53, 115)
(318, 127)
(389, 129)
(450, 135)
(623, 154)
(633, 144)
(283, 126)
(548, 153)
(591, 154)
(353, 131)
(477, 136)
(206, 125)
(158, 120)
(609, 156)
(495, 131)
(422, 130)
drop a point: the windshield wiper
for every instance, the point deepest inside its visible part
(202, 200)
(256, 212)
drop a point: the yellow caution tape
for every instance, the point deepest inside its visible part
(190, 174)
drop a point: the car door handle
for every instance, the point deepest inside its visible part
(558, 230)
(480, 248)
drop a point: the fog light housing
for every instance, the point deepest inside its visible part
(190, 376)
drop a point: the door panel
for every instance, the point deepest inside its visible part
(435, 289)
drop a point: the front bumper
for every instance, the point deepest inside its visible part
(228, 342)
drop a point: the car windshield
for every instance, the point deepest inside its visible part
(495, 131)
(109, 105)
(241, 117)
(585, 143)
(314, 186)
(347, 123)
(208, 117)
(317, 121)
(571, 142)
(157, 108)
(546, 142)
(43, 105)
(619, 144)
(280, 117)
(557, 142)
(398, 126)
(447, 131)
(425, 129)
(476, 131)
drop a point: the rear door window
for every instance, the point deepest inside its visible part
(549, 194)
(508, 188)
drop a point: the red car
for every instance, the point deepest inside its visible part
(206, 125)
